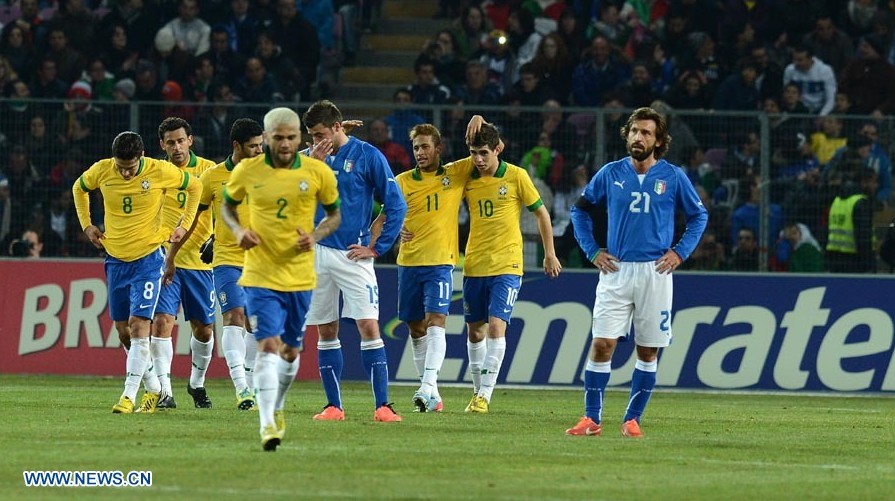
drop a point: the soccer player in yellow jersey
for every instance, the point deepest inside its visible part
(427, 256)
(246, 136)
(192, 284)
(133, 189)
(496, 193)
(282, 190)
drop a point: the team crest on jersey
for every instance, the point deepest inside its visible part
(446, 181)
(253, 322)
(659, 187)
(302, 185)
(145, 185)
(348, 166)
(223, 297)
(502, 190)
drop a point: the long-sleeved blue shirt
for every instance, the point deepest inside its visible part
(363, 175)
(640, 214)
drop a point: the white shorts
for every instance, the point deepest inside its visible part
(636, 292)
(356, 280)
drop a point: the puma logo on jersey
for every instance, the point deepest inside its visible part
(620, 184)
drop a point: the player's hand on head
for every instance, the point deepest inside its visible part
(95, 236)
(474, 126)
(349, 125)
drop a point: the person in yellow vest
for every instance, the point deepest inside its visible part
(850, 237)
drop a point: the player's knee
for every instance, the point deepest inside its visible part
(236, 317)
(368, 328)
(289, 353)
(203, 333)
(124, 333)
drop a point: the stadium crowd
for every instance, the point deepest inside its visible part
(820, 70)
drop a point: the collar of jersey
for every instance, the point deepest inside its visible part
(193, 160)
(500, 172)
(418, 174)
(140, 169)
(228, 163)
(295, 163)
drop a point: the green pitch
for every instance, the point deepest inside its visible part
(697, 446)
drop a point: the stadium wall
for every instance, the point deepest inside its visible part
(731, 331)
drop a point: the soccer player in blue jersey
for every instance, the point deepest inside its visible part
(345, 258)
(282, 190)
(641, 193)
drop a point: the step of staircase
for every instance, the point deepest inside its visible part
(391, 75)
(409, 8)
(390, 42)
(367, 92)
(412, 26)
(402, 58)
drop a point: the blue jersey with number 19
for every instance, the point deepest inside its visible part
(641, 213)
(281, 201)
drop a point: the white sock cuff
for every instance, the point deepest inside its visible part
(646, 366)
(143, 341)
(604, 367)
(232, 328)
(335, 344)
(372, 344)
(263, 357)
(289, 367)
(435, 331)
(210, 342)
(416, 341)
(499, 342)
(475, 346)
(160, 339)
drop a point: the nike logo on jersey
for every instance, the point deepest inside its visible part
(145, 306)
(443, 304)
(507, 310)
(620, 184)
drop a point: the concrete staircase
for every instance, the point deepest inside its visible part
(385, 61)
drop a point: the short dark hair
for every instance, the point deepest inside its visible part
(244, 129)
(663, 139)
(322, 112)
(127, 146)
(488, 136)
(171, 124)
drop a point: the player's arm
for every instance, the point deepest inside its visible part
(81, 196)
(245, 237)
(193, 188)
(474, 125)
(552, 266)
(174, 248)
(393, 204)
(583, 223)
(325, 228)
(697, 217)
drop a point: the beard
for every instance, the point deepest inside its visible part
(641, 155)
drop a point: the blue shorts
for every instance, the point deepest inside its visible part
(424, 289)
(230, 294)
(195, 289)
(276, 313)
(134, 286)
(485, 297)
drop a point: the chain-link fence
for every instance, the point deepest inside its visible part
(785, 192)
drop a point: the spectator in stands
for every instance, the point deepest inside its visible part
(257, 85)
(118, 115)
(745, 252)
(41, 146)
(28, 246)
(830, 44)
(201, 79)
(60, 223)
(18, 109)
(736, 44)
(228, 64)
(242, 27)
(708, 255)
(830, 138)
(673, 36)
(769, 79)
(798, 251)
(450, 69)
(792, 20)
(427, 89)
(64, 173)
(748, 214)
(639, 90)
(572, 33)
(191, 33)
(141, 22)
(117, 57)
(554, 66)
(33, 27)
(282, 68)
(401, 119)
(684, 138)
(600, 73)
(17, 50)
(789, 136)
(348, 12)
(69, 62)
(545, 163)
(78, 23)
(172, 62)
(859, 154)
(529, 88)
(320, 14)
(299, 39)
(610, 26)
(471, 31)
(738, 92)
(499, 60)
(701, 57)
(7, 212)
(498, 11)
(476, 89)
(101, 81)
(524, 40)
(850, 238)
(215, 121)
(815, 79)
(878, 160)
(567, 249)
(743, 155)
(80, 123)
(26, 186)
(562, 136)
(47, 84)
(615, 119)
(869, 80)
(791, 100)
(857, 17)
(691, 93)
(397, 156)
(146, 78)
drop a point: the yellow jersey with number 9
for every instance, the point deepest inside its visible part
(226, 251)
(188, 256)
(281, 201)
